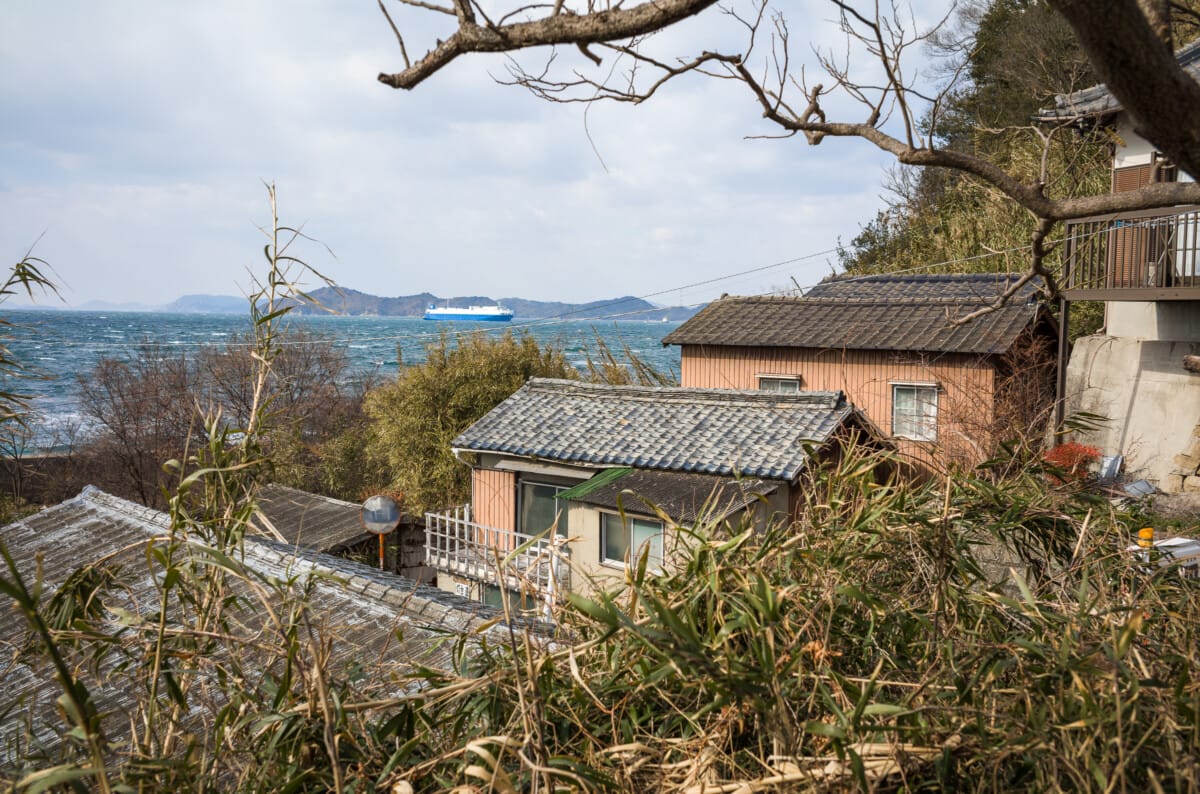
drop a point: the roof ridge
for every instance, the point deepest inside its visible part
(831, 399)
(843, 277)
(107, 501)
(302, 492)
(1075, 105)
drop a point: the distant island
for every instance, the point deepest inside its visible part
(354, 303)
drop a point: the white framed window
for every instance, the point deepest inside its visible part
(914, 411)
(540, 506)
(624, 537)
(780, 384)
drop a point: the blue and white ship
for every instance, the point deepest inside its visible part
(493, 313)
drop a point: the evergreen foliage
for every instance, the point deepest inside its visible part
(1022, 54)
(975, 634)
(415, 417)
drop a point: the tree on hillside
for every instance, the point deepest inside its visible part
(1127, 42)
(1023, 54)
(416, 416)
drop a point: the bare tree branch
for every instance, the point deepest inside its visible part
(899, 114)
(590, 28)
(1141, 71)
(1036, 270)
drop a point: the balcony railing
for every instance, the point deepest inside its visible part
(455, 544)
(1134, 256)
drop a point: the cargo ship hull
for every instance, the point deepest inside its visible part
(490, 314)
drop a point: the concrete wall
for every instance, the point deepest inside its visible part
(1131, 149)
(1167, 321)
(1152, 404)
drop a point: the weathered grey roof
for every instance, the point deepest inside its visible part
(967, 287)
(1098, 101)
(683, 497)
(365, 614)
(711, 431)
(901, 313)
(309, 520)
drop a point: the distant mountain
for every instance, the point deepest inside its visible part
(353, 302)
(207, 304)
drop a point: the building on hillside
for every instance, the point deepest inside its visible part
(571, 481)
(944, 391)
(321, 523)
(358, 613)
(1145, 266)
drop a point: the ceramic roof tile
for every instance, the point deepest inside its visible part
(900, 313)
(388, 624)
(309, 520)
(1098, 101)
(713, 431)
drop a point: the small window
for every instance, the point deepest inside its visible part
(540, 508)
(780, 384)
(914, 411)
(516, 601)
(626, 537)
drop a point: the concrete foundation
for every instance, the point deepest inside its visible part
(1152, 404)
(1165, 321)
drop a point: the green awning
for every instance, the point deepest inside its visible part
(598, 481)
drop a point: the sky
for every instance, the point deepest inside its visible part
(138, 137)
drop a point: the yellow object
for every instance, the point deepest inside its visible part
(1146, 537)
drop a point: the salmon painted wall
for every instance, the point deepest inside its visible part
(965, 394)
(494, 499)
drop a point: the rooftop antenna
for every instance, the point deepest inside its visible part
(380, 515)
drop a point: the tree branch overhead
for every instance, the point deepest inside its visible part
(899, 111)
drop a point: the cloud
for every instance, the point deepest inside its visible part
(141, 145)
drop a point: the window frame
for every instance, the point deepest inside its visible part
(563, 522)
(762, 377)
(630, 554)
(917, 420)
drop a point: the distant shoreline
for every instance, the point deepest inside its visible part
(352, 303)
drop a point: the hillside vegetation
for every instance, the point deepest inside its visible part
(946, 221)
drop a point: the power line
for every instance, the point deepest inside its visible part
(572, 315)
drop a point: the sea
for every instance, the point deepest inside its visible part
(58, 347)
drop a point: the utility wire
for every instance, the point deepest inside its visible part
(572, 315)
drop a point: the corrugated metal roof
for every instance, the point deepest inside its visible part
(683, 497)
(309, 520)
(901, 313)
(710, 431)
(363, 613)
(598, 480)
(1097, 100)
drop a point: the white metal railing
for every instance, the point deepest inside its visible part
(455, 544)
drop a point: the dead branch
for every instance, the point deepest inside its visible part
(559, 28)
(886, 40)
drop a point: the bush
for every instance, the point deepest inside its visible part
(1070, 462)
(415, 417)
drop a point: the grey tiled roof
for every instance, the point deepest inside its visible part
(308, 520)
(710, 431)
(683, 497)
(897, 313)
(1098, 101)
(362, 613)
(968, 287)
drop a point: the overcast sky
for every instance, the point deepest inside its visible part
(137, 136)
